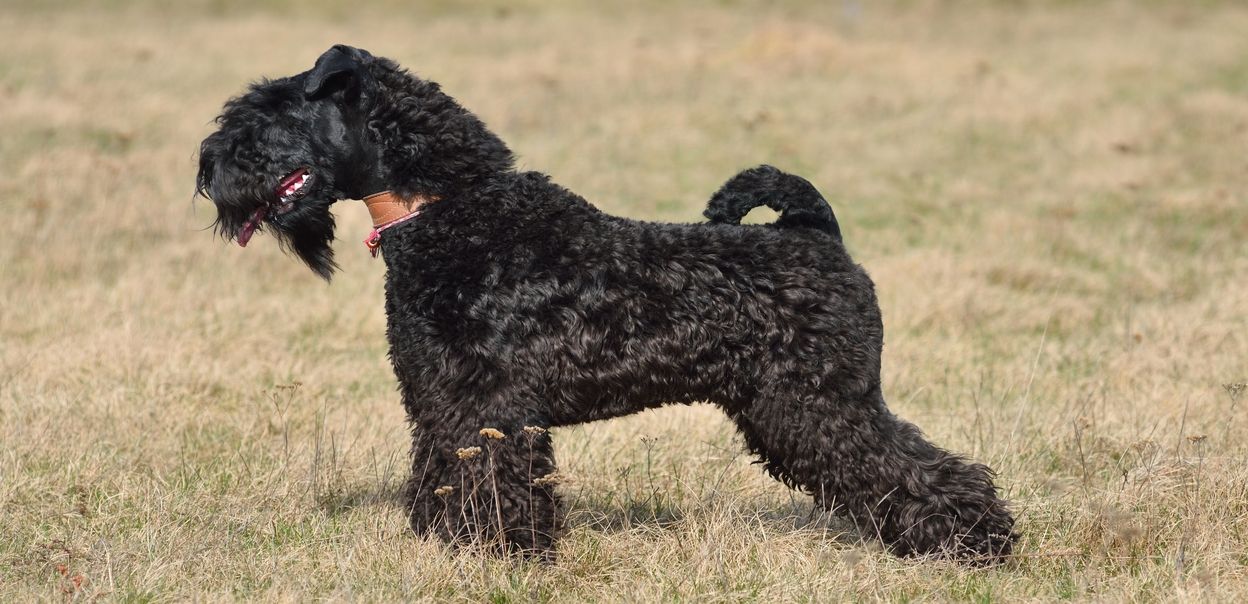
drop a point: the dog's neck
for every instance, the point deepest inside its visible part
(387, 207)
(425, 141)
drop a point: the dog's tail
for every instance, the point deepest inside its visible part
(797, 201)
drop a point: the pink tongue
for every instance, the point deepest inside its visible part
(249, 227)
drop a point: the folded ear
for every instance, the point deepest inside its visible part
(340, 68)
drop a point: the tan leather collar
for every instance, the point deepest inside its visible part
(386, 207)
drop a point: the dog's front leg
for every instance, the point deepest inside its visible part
(488, 486)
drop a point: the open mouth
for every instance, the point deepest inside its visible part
(290, 189)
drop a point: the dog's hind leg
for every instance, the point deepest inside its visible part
(490, 485)
(860, 460)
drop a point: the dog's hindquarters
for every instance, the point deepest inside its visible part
(797, 201)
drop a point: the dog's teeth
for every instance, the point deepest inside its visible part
(304, 177)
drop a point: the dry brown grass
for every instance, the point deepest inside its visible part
(1050, 197)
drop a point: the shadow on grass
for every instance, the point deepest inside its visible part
(342, 500)
(613, 512)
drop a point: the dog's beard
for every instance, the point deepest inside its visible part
(308, 231)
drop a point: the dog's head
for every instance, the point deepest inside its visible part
(351, 126)
(289, 148)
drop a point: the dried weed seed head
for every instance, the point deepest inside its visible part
(534, 430)
(1235, 390)
(444, 490)
(468, 452)
(492, 434)
(550, 479)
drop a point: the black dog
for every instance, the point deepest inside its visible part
(513, 306)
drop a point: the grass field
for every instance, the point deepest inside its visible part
(1052, 198)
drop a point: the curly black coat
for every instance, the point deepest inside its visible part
(515, 306)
